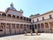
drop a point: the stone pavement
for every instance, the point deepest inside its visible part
(42, 36)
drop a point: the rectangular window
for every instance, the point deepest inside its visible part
(42, 18)
(37, 19)
(50, 16)
(33, 21)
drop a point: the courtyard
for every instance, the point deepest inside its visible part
(41, 36)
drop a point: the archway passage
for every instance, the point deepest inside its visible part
(51, 27)
(38, 27)
(1, 30)
(42, 27)
(46, 27)
(8, 29)
(32, 28)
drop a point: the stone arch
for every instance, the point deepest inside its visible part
(3, 14)
(13, 16)
(9, 15)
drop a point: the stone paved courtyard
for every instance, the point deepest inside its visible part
(42, 36)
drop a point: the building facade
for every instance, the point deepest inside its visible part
(44, 22)
(13, 22)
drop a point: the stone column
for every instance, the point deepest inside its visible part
(19, 28)
(23, 27)
(49, 26)
(15, 28)
(44, 28)
(5, 27)
(6, 16)
(10, 28)
(26, 28)
(11, 17)
(40, 27)
(37, 26)
(34, 27)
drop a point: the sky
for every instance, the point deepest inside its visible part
(29, 7)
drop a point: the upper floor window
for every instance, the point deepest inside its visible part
(42, 18)
(30, 20)
(21, 17)
(3, 14)
(9, 15)
(37, 19)
(27, 19)
(24, 18)
(13, 16)
(50, 16)
(33, 21)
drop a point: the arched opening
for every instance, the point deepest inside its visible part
(29, 20)
(21, 26)
(28, 28)
(8, 15)
(13, 26)
(17, 26)
(24, 27)
(17, 16)
(3, 14)
(24, 18)
(42, 27)
(32, 27)
(21, 17)
(9, 28)
(38, 27)
(0, 14)
(35, 26)
(13, 16)
(2, 28)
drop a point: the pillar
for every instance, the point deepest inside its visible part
(34, 27)
(5, 27)
(15, 28)
(40, 27)
(49, 26)
(37, 26)
(10, 28)
(19, 28)
(44, 27)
